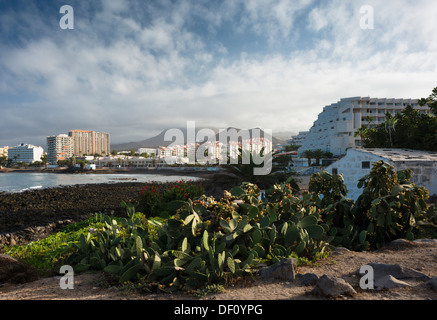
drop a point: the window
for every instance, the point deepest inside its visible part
(365, 165)
(334, 171)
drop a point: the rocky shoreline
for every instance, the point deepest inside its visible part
(33, 214)
(30, 215)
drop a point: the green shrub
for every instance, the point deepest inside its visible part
(154, 198)
(392, 207)
(48, 255)
(200, 245)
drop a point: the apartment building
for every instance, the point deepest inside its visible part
(4, 152)
(59, 147)
(149, 151)
(25, 153)
(299, 139)
(214, 151)
(87, 142)
(335, 127)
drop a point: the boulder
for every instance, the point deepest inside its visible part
(401, 244)
(340, 251)
(432, 283)
(389, 282)
(395, 270)
(307, 279)
(429, 242)
(284, 270)
(15, 272)
(332, 287)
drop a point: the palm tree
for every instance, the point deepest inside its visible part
(390, 123)
(318, 154)
(44, 160)
(245, 172)
(309, 154)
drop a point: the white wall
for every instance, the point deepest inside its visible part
(350, 166)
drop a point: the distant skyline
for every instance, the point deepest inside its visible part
(133, 68)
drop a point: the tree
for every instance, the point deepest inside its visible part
(245, 172)
(431, 101)
(44, 160)
(318, 154)
(309, 154)
(410, 129)
(36, 164)
(291, 147)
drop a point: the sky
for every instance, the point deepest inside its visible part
(134, 68)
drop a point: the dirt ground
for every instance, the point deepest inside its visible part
(342, 264)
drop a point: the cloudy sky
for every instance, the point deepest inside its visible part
(135, 67)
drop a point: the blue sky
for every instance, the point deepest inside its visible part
(133, 68)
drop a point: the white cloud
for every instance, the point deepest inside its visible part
(143, 77)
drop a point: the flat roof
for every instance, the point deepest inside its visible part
(402, 154)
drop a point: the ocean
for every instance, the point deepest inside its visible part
(19, 181)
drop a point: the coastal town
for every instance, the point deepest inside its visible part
(201, 154)
(333, 136)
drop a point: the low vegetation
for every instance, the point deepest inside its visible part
(200, 243)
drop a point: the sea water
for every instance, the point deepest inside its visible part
(22, 181)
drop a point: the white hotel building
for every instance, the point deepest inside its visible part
(335, 127)
(25, 153)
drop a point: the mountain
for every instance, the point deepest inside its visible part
(285, 135)
(158, 140)
(275, 140)
(153, 142)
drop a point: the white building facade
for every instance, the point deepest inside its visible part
(149, 151)
(4, 151)
(299, 139)
(358, 162)
(213, 152)
(335, 127)
(59, 147)
(25, 153)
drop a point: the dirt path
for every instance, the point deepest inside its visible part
(340, 264)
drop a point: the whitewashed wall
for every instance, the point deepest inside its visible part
(350, 166)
